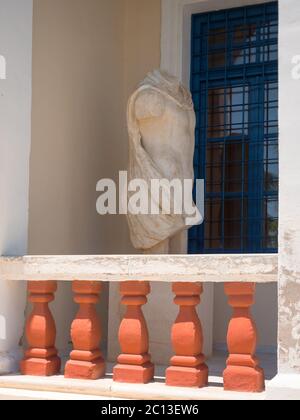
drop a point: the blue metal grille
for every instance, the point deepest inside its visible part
(234, 83)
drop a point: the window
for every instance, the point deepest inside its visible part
(234, 83)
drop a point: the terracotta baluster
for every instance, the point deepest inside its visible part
(243, 372)
(86, 361)
(187, 366)
(134, 364)
(41, 358)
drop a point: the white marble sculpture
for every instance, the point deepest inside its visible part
(161, 126)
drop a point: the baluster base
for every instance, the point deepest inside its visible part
(134, 374)
(244, 379)
(134, 369)
(187, 376)
(40, 367)
(85, 365)
(40, 362)
(85, 370)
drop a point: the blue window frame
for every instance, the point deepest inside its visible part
(234, 83)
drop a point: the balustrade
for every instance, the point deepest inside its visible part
(187, 366)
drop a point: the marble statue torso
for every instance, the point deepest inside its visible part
(167, 132)
(161, 127)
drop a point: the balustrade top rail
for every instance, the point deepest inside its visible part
(261, 268)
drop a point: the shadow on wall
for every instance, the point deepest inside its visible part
(265, 312)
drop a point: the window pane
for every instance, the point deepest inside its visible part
(228, 111)
(216, 113)
(216, 48)
(236, 167)
(271, 223)
(213, 224)
(214, 168)
(244, 50)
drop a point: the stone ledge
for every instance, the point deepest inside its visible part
(262, 268)
(284, 387)
(12, 394)
(112, 390)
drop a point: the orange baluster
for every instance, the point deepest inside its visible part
(134, 364)
(243, 372)
(41, 358)
(86, 361)
(187, 366)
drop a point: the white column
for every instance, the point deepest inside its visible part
(287, 384)
(15, 127)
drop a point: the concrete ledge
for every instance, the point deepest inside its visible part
(284, 387)
(106, 388)
(21, 395)
(161, 268)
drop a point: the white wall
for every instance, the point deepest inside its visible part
(15, 127)
(289, 150)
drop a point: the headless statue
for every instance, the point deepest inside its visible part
(161, 126)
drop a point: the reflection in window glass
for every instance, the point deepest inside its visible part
(213, 224)
(228, 112)
(214, 167)
(236, 167)
(271, 223)
(271, 167)
(244, 50)
(216, 48)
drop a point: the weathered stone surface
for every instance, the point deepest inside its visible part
(161, 268)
